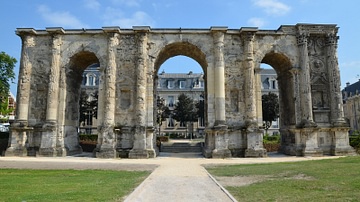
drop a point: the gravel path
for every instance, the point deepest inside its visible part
(175, 177)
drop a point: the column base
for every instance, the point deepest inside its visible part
(47, 152)
(316, 152)
(221, 153)
(255, 153)
(347, 151)
(20, 151)
(138, 154)
(106, 153)
(207, 153)
(151, 153)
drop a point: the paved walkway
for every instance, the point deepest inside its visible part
(175, 177)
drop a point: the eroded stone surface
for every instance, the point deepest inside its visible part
(303, 55)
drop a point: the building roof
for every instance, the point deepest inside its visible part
(351, 89)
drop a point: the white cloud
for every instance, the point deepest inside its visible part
(115, 17)
(256, 22)
(129, 3)
(92, 4)
(60, 19)
(272, 7)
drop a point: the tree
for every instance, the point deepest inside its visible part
(162, 112)
(270, 109)
(4, 110)
(7, 65)
(88, 104)
(185, 110)
(201, 110)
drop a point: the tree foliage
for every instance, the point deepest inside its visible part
(185, 110)
(270, 109)
(163, 111)
(7, 65)
(88, 107)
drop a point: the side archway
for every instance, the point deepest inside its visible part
(71, 96)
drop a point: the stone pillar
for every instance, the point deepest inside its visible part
(108, 144)
(23, 92)
(139, 150)
(219, 132)
(50, 128)
(250, 91)
(219, 74)
(258, 95)
(340, 144)
(304, 82)
(19, 129)
(254, 134)
(336, 108)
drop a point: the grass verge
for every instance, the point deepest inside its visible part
(68, 185)
(320, 180)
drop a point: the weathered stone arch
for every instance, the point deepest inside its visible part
(181, 48)
(304, 56)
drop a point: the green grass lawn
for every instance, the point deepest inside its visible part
(319, 180)
(67, 185)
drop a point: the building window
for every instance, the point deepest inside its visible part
(274, 84)
(91, 80)
(170, 122)
(171, 101)
(181, 84)
(170, 84)
(182, 124)
(201, 84)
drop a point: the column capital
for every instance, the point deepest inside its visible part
(302, 38)
(331, 39)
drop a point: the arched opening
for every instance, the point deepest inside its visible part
(282, 83)
(180, 75)
(285, 84)
(76, 87)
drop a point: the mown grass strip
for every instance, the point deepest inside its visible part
(67, 185)
(322, 180)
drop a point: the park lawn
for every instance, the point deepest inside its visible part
(68, 185)
(315, 180)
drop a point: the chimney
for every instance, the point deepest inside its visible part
(347, 84)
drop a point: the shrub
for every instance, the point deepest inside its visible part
(355, 140)
(163, 138)
(271, 143)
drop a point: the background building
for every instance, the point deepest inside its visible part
(351, 98)
(269, 84)
(89, 87)
(169, 87)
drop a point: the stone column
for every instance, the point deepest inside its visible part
(18, 132)
(139, 149)
(23, 92)
(250, 91)
(304, 82)
(108, 144)
(336, 109)
(220, 129)
(219, 74)
(254, 134)
(49, 134)
(258, 95)
(340, 144)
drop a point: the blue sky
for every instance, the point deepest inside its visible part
(265, 14)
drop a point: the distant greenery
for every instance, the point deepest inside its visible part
(355, 140)
(271, 143)
(320, 180)
(67, 185)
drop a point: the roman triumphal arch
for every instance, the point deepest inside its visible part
(303, 55)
